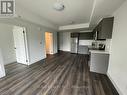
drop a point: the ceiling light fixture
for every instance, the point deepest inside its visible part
(58, 6)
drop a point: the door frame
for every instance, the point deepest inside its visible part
(25, 43)
(51, 44)
(26, 46)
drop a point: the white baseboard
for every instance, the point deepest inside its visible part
(36, 61)
(55, 53)
(65, 51)
(9, 60)
(115, 85)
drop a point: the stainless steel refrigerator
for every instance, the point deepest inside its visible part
(74, 45)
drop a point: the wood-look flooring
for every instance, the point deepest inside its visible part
(60, 74)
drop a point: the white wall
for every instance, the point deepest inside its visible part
(36, 49)
(117, 70)
(55, 46)
(7, 43)
(60, 42)
(65, 41)
(36, 43)
(35, 34)
(2, 70)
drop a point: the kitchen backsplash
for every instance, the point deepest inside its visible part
(107, 43)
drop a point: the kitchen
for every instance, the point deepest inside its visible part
(94, 43)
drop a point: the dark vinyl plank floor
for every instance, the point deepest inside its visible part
(59, 74)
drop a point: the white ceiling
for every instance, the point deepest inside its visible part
(76, 11)
(104, 8)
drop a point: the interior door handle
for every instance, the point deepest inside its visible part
(15, 48)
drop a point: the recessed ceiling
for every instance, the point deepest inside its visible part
(76, 11)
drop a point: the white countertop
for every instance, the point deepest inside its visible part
(99, 51)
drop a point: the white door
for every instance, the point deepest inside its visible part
(20, 44)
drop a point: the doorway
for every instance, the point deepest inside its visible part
(20, 45)
(49, 42)
(13, 49)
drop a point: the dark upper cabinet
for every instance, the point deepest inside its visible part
(83, 36)
(74, 35)
(105, 28)
(86, 36)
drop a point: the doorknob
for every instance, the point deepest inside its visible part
(15, 48)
